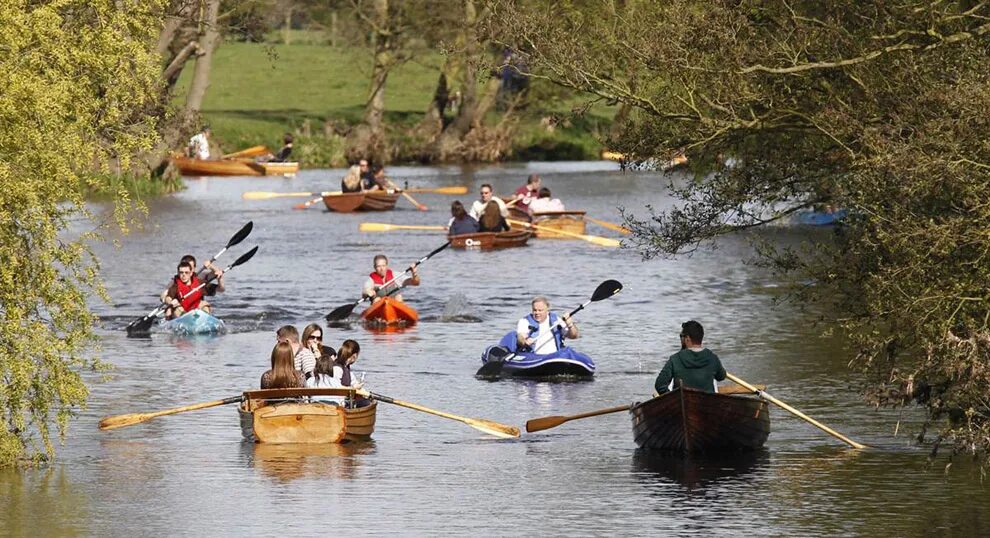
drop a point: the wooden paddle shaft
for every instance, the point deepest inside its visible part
(120, 421)
(615, 409)
(604, 241)
(797, 413)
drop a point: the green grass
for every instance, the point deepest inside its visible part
(257, 92)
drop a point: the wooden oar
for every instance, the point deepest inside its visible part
(405, 194)
(383, 227)
(265, 195)
(493, 368)
(268, 195)
(487, 426)
(343, 311)
(796, 413)
(603, 241)
(253, 151)
(308, 203)
(609, 225)
(120, 421)
(545, 423)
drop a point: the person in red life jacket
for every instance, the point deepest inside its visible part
(383, 275)
(210, 274)
(543, 332)
(185, 294)
(527, 193)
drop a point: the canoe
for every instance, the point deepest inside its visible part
(193, 322)
(289, 416)
(688, 420)
(390, 311)
(360, 201)
(501, 360)
(820, 218)
(568, 221)
(490, 240)
(233, 167)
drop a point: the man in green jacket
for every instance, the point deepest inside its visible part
(694, 365)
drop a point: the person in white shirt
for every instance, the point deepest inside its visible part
(199, 145)
(545, 203)
(543, 332)
(487, 195)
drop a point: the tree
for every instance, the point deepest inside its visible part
(73, 74)
(875, 107)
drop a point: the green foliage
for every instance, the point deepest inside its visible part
(72, 74)
(875, 107)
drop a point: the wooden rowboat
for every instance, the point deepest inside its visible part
(288, 416)
(689, 420)
(233, 167)
(567, 221)
(360, 201)
(490, 240)
(389, 311)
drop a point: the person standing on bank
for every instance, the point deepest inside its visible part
(199, 145)
(542, 331)
(694, 366)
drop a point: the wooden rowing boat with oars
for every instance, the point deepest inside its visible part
(689, 420)
(360, 201)
(566, 221)
(491, 240)
(233, 167)
(297, 416)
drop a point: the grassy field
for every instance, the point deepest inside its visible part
(258, 91)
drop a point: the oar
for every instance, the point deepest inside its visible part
(120, 421)
(267, 195)
(308, 203)
(797, 413)
(405, 194)
(343, 311)
(609, 225)
(253, 151)
(487, 426)
(603, 241)
(382, 227)
(603, 291)
(142, 325)
(545, 423)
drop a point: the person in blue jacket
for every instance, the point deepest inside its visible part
(694, 366)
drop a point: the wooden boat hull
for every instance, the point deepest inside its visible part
(233, 167)
(390, 312)
(194, 322)
(283, 416)
(567, 221)
(688, 420)
(490, 240)
(360, 201)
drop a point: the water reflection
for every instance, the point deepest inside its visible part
(696, 471)
(288, 462)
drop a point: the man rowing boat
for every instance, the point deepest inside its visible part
(694, 366)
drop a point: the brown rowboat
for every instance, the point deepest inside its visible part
(490, 240)
(287, 416)
(360, 201)
(233, 167)
(567, 221)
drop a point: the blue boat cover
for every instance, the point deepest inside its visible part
(193, 322)
(566, 361)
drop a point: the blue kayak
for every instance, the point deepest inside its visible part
(193, 322)
(502, 360)
(820, 218)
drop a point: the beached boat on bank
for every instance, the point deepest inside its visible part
(689, 420)
(490, 240)
(297, 416)
(234, 167)
(502, 360)
(390, 312)
(193, 322)
(348, 202)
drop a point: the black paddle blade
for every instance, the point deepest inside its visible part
(142, 327)
(241, 234)
(490, 370)
(606, 289)
(341, 312)
(244, 258)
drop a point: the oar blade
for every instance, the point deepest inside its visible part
(494, 428)
(602, 241)
(241, 234)
(120, 421)
(606, 289)
(458, 189)
(341, 312)
(544, 423)
(374, 227)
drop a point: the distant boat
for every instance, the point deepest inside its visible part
(490, 240)
(623, 159)
(348, 202)
(234, 167)
(820, 218)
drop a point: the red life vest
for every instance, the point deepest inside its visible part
(378, 280)
(192, 301)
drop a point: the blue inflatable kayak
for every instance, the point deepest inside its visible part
(820, 218)
(502, 360)
(193, 322)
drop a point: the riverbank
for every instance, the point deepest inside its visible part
(260, 91)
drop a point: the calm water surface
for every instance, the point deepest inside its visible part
(190, 474)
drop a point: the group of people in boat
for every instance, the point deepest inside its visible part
(189, 287)
(199, 147)
(362, 177)
(490, 212)
(306, 363)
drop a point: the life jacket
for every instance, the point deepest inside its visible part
(558, 333)
(379, 281)
(192, 301)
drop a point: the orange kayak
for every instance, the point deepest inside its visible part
(388, 311)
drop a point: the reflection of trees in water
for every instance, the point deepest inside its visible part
(289, 462)
(42, 502)
(696, 471)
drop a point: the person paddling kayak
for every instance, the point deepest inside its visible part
(542, 331)
(383, 275)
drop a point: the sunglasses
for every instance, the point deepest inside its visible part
(316, 337)
(185, 272)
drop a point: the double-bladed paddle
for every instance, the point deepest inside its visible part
(493, 368)
(143, 325)
(343, 311)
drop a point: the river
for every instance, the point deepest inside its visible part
(190, 474)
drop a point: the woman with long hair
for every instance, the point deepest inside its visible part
(346, 356)
(491, 219)
(312, 347)
(283, 374)
(352, 181)
(323, 378)
(460, 222)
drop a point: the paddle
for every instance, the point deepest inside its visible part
(308, 203)
(796, 413)
(603, 241)
(603, 291)
(487, 426)
(120, 421)
(405, 194)
(609, 225)
(343, 311)
(145, 322)
(253, 151)
(545, 423)
(382, 227)
(143, 325)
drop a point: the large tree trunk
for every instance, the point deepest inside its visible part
(450, 139)
(368, 139)
(208, 38)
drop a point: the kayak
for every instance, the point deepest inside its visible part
(389, 311)
(193, 322)
(502, 360)
(820, 218)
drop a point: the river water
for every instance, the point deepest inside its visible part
(190, 474)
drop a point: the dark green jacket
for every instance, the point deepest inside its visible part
(697, 369)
